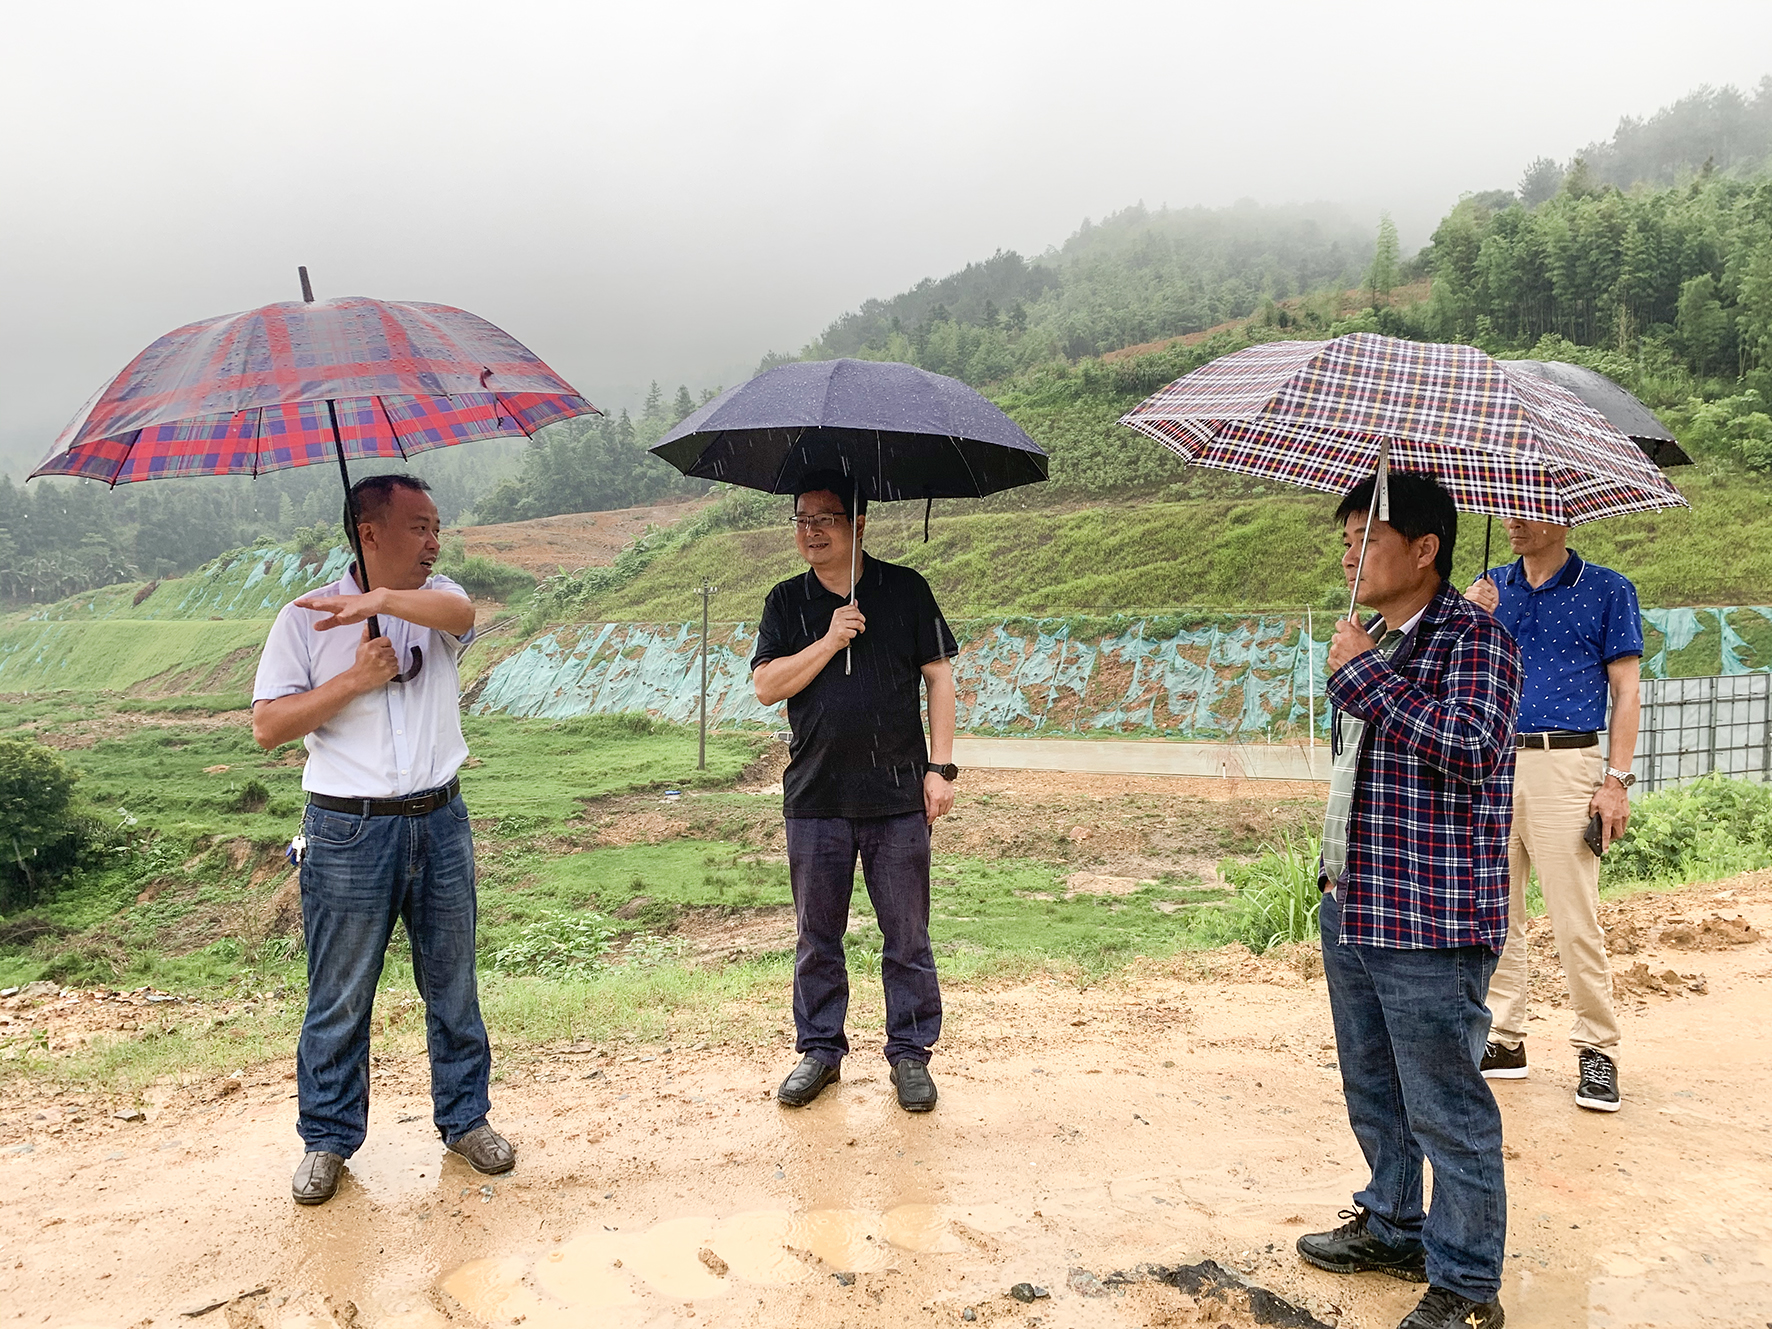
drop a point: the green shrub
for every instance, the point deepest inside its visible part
(557, 945)
(1711, 828)
(483, 576)
(1276, 899)
(252, 797)
(41, 836)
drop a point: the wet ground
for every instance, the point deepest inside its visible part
(1184, 1113)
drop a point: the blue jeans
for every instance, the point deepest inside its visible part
(359, 875)
(1409, 1031)
(894, 853)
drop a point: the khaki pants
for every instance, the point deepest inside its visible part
(1551, 793)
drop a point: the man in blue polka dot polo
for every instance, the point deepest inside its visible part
(1581, 643)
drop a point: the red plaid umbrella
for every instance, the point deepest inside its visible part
(1502, 440)
(302, 383)
(299, 383)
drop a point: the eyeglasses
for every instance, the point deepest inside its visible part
(818, 521)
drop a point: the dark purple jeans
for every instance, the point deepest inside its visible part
(894, 854)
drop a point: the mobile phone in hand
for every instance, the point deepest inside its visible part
(1592, 836)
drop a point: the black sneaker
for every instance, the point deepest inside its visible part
(1351, 1250)
(1598, 1089)
(1442, 1308)
(1504, 1063)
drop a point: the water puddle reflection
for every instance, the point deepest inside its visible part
(693, 1259)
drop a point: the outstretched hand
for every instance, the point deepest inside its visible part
(342, 610)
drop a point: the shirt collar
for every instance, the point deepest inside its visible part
(1567, 575)
(815, 588)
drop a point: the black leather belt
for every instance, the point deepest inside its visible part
(1558, 738)
(413, 805)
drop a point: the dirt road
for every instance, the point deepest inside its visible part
(1180, 1114)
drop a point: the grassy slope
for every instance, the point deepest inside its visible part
(1269, 552)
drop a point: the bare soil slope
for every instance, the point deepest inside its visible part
(547, 545)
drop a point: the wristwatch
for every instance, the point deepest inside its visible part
(950, 772)
(1624, 778)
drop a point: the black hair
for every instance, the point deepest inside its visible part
(1420, 506)
(372, 494)
(846, 487)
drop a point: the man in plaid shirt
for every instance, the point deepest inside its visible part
(1414, 907)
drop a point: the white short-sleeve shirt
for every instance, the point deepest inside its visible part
(400, 739)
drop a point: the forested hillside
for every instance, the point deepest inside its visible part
(1647, 256)
(1134, 277)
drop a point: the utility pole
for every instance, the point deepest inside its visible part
(706, 591)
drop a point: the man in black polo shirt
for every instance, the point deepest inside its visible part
(861, 781)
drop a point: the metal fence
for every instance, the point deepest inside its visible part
(1694, 726)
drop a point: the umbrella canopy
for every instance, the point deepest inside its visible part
(1633, 419)
(248, 393)
(901, 431)
(1321, 414)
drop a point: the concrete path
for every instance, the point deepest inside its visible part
(1249, 761)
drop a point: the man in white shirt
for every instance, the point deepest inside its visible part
(386, 832)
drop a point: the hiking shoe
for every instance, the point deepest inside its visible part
(1442, 1308)
(916, 1090)
(1350, 1249)
(486, 1150)
(316, 1177)
(806, 1082)
(1504, 1063)
(1598, 1089)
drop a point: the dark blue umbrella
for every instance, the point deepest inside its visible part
(897, 431)
(900, 431)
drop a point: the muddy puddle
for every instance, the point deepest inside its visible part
(693, 1259)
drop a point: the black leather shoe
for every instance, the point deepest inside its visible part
(486, 1151)
(1350, 1249)
(916, 1091)
(1442, 1308)
(806, 1081)
(316, 1178)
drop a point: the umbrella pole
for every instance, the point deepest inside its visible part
(1488, 530)
(854, 549)
(352, 535)
(1381, 498)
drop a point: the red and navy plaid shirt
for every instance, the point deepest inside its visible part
(1433, 802)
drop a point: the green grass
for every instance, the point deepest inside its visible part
(546, 769)
(1274, 551)
(118, 655)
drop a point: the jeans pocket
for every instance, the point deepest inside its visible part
(458, 809)
(335, 830)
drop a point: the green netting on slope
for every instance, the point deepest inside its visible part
(1205, 676)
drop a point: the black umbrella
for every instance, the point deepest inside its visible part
(1628, 415)
(897, 431)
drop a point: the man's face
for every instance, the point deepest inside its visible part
(402, 540)
(1527, 538)
(823, 535)
(1394, 567)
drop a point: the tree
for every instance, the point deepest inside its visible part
(1702, 325)
(684, 405)
(1381, 277)
(1540, 182)
(40, 838)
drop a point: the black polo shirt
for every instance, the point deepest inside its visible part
(858, 748)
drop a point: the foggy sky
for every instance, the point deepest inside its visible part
(669, 190)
